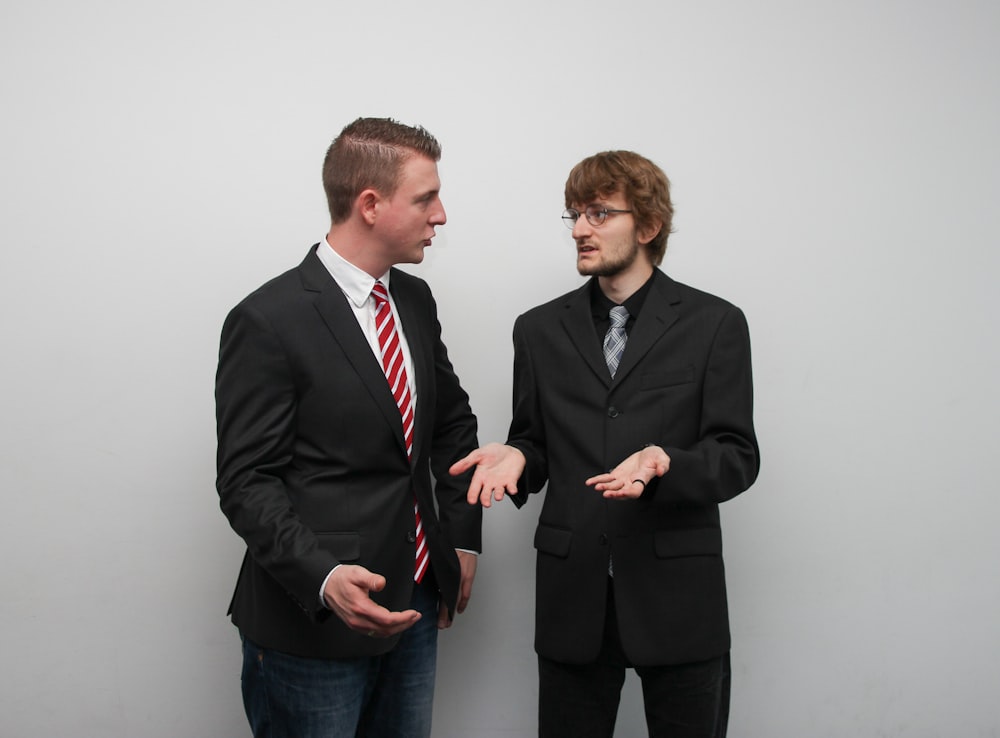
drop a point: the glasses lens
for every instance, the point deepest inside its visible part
(569, 217)
(596, 215)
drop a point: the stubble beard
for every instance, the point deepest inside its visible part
(609, 267)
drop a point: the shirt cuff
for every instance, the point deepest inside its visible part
(322, 588)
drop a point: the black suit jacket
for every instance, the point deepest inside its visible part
(684, 383)
(312, 467)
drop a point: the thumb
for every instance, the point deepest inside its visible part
(463, 465)
(376, 583)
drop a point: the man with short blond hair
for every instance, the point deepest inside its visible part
(336, 403)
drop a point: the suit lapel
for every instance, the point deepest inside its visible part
(331, 303)
(579, 325)
(655, 319)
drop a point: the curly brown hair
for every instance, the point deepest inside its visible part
(370, 153)
(643, 184)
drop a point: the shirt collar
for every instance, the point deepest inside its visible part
(600, 305)
(356, 283)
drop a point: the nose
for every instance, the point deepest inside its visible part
(438, 216)
(582, 227)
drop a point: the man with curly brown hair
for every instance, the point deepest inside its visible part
(648, 378)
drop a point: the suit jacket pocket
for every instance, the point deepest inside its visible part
(554, 541)
(346, 547)
(667, 378)
(671, 544)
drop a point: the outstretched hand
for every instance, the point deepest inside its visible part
(628, 480)
(347, 594)
(498, 467)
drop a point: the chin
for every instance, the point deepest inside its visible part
(597, 270)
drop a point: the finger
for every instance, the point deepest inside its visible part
(478, 491)
(464, 595)
(472, 496)
(384, 620)
(378, 622)
(462, 465)
(443, 620)
(389, 632)
(405, 624)
(627, 492)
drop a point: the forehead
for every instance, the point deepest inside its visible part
(419, 173)
(612, 200)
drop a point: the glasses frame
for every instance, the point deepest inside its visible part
(596, 215)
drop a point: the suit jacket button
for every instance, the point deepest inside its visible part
(613, 412)
(411, 536)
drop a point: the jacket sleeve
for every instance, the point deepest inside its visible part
(256, 401)
(527, 431)
(455, 429)
(725, 460)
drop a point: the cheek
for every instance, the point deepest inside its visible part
(408, 229)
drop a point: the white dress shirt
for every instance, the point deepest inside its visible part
(356, 285)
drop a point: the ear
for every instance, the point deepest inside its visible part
(366, 204)
(649, 232)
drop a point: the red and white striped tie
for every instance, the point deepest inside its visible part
(395, 371)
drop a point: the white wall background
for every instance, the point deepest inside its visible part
(836, 172)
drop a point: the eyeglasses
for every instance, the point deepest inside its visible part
(596, 215)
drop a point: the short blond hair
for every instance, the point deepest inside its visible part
(370, 153)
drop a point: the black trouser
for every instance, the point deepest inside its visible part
(681, 701)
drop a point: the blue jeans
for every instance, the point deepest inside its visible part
(387, 696)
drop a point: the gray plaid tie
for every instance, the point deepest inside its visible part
(614, 341)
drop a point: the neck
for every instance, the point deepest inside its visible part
(353, 245)
(619, 287)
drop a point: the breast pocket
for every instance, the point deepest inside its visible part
(346, 547)
(667, 378)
